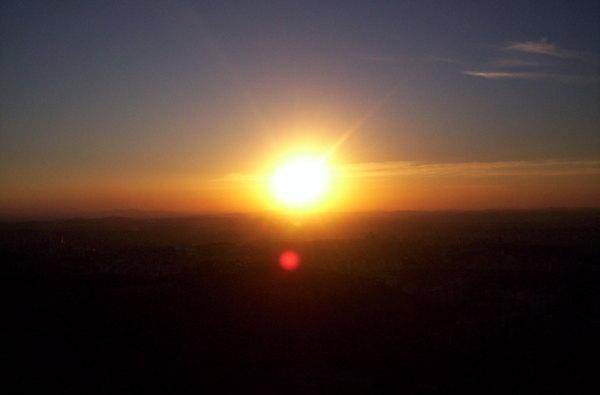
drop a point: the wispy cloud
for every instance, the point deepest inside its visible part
(530, 61)
(503, 75)
(407, 58)
(237, 178)
(373, 170)
(541, 48)
(473, 169)
(533, 76)
(444, 59)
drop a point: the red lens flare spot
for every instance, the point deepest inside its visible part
(289, 260)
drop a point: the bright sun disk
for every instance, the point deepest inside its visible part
(300, 182)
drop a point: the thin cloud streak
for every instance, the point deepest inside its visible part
(561, 69)
(532, 76)
(499, 75)
(472, 169)
(442, 59)
(375, 170)
(541, 48)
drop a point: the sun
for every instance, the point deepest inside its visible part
(301, 182)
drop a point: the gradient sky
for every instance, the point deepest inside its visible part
(178, 105)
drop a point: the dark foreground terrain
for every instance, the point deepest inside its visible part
(488, 302)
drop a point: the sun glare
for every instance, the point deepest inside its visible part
(301, 182)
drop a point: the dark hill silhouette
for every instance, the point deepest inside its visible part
(398, 302)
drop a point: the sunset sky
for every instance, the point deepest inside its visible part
(186, 106)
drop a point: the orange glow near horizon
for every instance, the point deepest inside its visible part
(367, 186)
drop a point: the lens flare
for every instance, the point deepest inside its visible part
(289, 260)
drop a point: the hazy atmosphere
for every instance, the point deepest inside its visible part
(186, 106)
